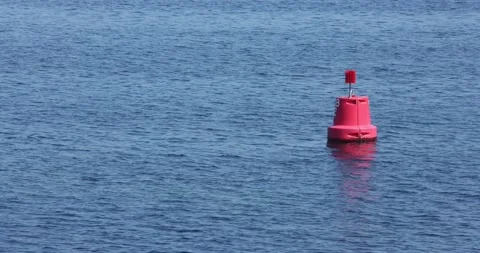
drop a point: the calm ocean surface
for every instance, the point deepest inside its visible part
(200, 126)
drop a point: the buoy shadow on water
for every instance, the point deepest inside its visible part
(359, 154)
(355, 162)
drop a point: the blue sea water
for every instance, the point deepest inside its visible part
(200, 126)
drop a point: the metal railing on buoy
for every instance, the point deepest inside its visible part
(352, 122)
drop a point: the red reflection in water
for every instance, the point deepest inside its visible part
(355, 160)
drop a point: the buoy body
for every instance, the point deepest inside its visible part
(352, 122)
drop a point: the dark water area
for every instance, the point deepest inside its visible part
(200, 126)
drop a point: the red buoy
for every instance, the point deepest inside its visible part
(352, 120)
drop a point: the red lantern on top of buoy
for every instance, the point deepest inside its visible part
(352, 122)
(350, 76)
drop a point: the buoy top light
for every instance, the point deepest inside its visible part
(350, 78)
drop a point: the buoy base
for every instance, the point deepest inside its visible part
(335, 141)
(341, 133)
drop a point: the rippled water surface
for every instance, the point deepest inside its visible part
(200, 126)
